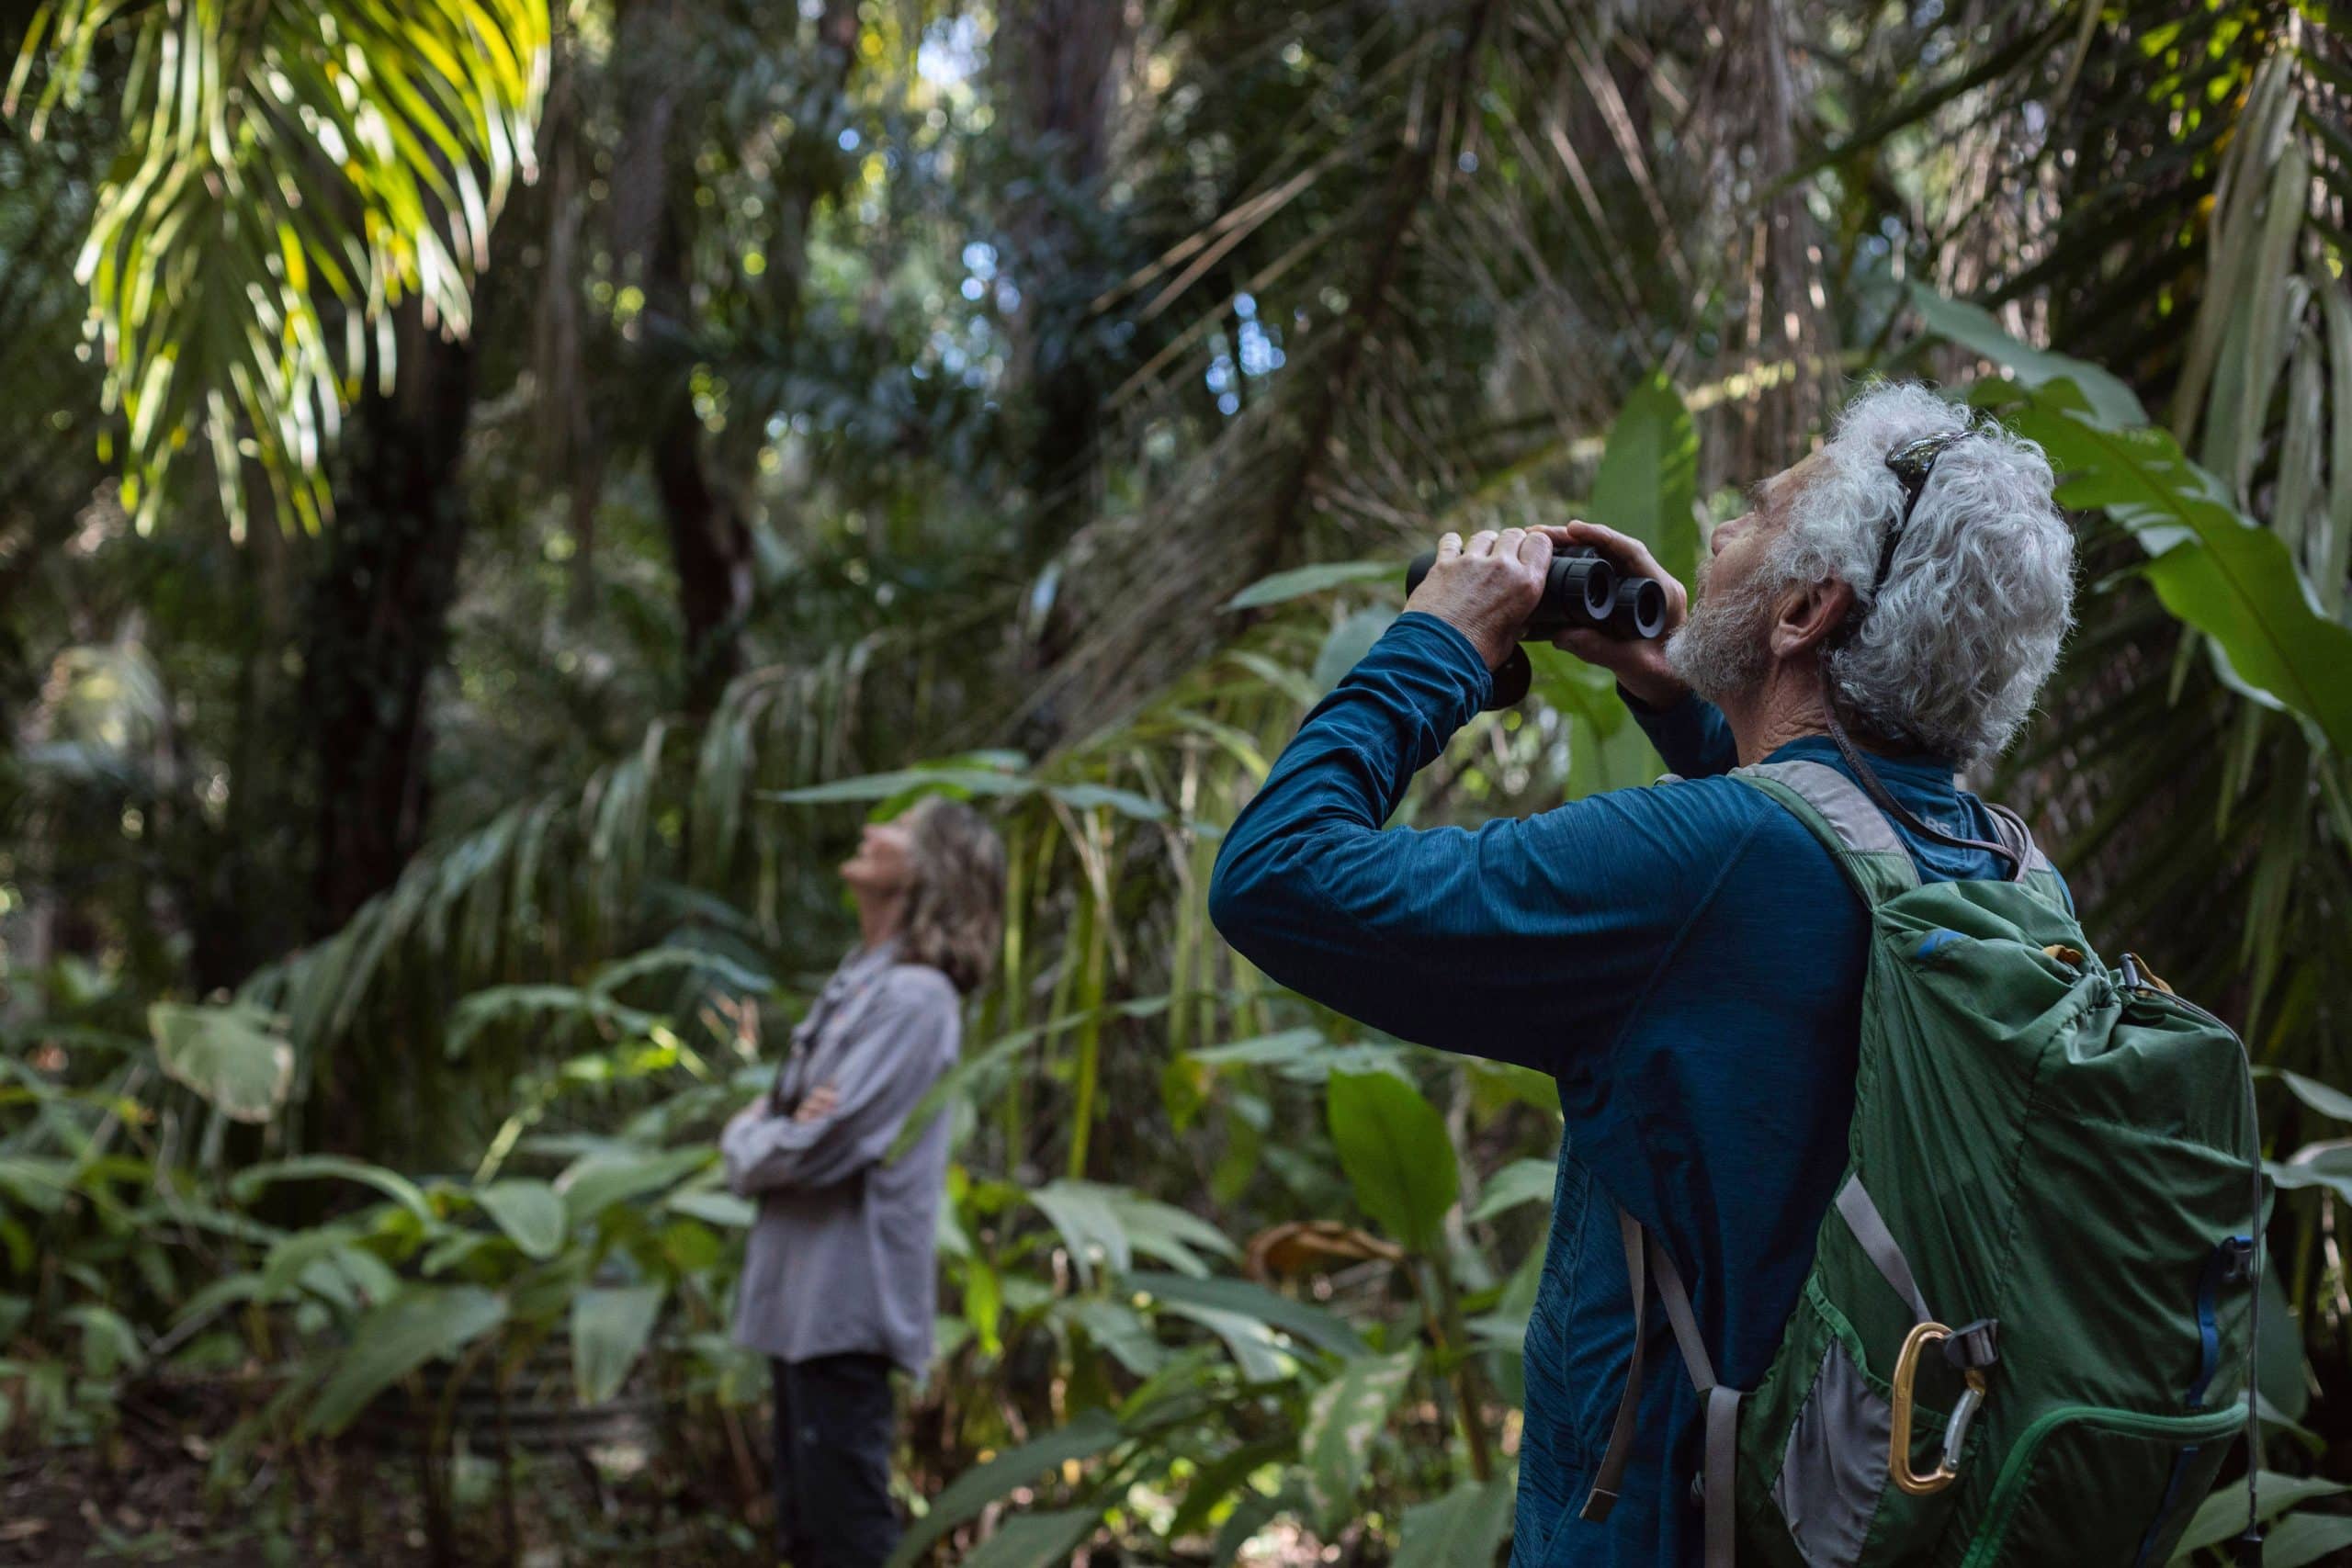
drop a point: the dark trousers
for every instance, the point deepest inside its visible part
(835, 1427)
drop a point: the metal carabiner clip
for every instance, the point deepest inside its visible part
(1907, 1367)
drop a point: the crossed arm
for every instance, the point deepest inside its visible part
(903, 1044)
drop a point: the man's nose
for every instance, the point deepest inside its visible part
(1724, 533)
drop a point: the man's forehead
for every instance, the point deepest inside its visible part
(1775, 493)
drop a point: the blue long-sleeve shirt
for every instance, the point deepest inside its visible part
(1687, 961)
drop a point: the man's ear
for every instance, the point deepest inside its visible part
(1809, 614)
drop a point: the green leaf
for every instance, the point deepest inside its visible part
(596, 1182)
(1347, 642)
(1163, 1231)
(1246, 1338)
(391, 1183)
(1521, 1182)
(424, 1323)
(1464, 1529)
(2301, 1538)
(1973, 328)
(609, 1329)
(529, 1211)
(871, 788)
(1035, 1540)
(1647, 484)
(2327, 1101)
(1089, 1222)
(1342, 1420)
(983, 1484)
(2223, 1515)
(1392, 1146)
(1301, 1320)
(714, 1207)
(1300, 582)
(2211, 568)
(232, 1056)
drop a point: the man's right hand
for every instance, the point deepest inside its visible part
(1638, 663)
(1486, 588)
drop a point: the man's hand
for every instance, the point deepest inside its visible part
(1640, 666)
(816, 1104)
(1487, 588)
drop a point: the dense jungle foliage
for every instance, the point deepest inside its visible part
(495, 491)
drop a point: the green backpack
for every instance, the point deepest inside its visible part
(2027, 1337)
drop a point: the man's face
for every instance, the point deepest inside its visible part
(1724, 649)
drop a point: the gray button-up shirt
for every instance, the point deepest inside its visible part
(841, 1257)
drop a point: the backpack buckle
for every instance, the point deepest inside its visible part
(2236, 1259)
(1974, 1347)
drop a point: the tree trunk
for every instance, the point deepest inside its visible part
(379, 623)
(711, 533)
(1062, 58)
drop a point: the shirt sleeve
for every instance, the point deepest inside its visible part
(908, 1039)
(1528, 940)
(1692, 735)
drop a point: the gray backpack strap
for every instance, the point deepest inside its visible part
(1610, 1477)
(1721, 1404)
(1847, 822)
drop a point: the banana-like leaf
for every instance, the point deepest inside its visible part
(1520, 1181)
(609, 1330)
(1299, 581)
(424, 1323)
(2212, 567)
(282, 166)
(1648, 481)
(1036, 1540)
(1342, 1420)
(2223, 1515)
(597, 1181)
(2111, 403)
(1393, 1145)
(964, 1497)
(1464, 1529)
(232, 1055)
(529, 1211)
(391, 1183)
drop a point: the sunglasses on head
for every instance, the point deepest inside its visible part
(1911, 463)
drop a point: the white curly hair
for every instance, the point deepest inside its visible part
(1954, 646)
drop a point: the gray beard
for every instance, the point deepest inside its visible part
(1721, 653)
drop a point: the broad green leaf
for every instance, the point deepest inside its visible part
(1392, 1146)
(1301, 1320)
(1246, 1338)
(1035, 1540)
(965, 1497)
(232, 1056)
(2211, 568)
(1301, 1055)
(871, 788)
(1342, 1421)
(1088, 1223)
(2223, 1515)
(1300, 582)
(1647, 484)
(1117, 1329)
(1464, 1529)
(391, 1183)
(2327, 1101)
(1521, 1182)
(1973, 328)
(609, 1329)
(2301, 1539)
(1126, 802)
(424, 1323)
(1347, 642)
(1163, 1231)
(714, 1207)
(529, 1211)
(596, 1183)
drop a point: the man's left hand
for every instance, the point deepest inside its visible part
(817, 1103)
(1486, 588)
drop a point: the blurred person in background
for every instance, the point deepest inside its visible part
(839, 1278)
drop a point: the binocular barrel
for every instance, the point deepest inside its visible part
(1581, 589)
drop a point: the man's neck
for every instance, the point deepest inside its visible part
(1786, 707)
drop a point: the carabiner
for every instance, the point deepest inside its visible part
(1907, 1367)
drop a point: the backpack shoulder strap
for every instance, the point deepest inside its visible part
(1854, 830)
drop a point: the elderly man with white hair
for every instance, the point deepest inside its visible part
(1685, 959)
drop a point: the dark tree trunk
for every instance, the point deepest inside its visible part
(379, 623)
(1062, 58)
(702, 505)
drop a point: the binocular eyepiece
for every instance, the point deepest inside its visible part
(1581, 589)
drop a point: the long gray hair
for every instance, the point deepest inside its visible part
(956, 903)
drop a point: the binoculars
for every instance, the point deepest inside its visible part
(1580, 589)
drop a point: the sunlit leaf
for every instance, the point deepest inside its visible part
(231, 1054)
(1393, 1145)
